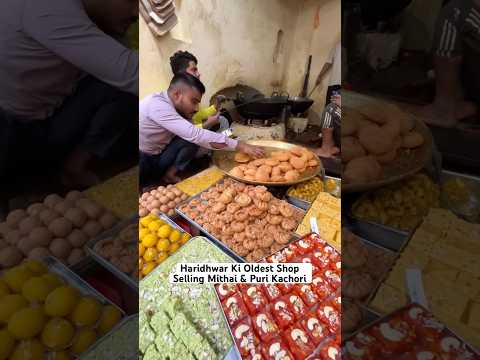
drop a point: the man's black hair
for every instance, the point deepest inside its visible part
(180, 60)
(189, 80)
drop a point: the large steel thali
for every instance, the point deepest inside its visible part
(225, 161)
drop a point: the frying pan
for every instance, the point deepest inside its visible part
(260, 107)
(299, 104)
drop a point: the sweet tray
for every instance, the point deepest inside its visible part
(411, 331)
(70, 278)
(301, 321)
(214, 239)
(304, 204)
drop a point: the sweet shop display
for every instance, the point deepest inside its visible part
(183, 321)
(157, 240)
(409, 333)
(326, 209)
(401, 205)
(163, 199)
(201, 181)
(58, 226)
(247, 219)
(288, 321)
(446, 250)
(107, 194)
(46, 312)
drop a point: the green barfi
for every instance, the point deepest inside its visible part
(159, 321)
(146, 338)
(152, 353)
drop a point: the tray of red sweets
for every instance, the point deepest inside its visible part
(289, 321)
(410, 333)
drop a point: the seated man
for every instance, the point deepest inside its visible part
(167, 138)
(69, 86)
(183, 61)
(456, 60)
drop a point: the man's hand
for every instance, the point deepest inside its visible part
(253, 151)
(211, 121)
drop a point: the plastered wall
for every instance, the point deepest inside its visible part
(262, 43)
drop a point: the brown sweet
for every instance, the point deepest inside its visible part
(412, 140)
(351, 149)
(375, 139)
(362, 170)
(292, 175)
(237, 172)
(242, 158)
(388, 157)
(356, 285)
(350, 121)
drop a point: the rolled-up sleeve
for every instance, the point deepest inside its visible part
(173, 122)
(448, 33)
(63, 27)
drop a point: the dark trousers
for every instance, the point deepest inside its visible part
(92, 119)
(178, 153)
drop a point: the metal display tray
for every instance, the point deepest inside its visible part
(90, 353)
(72, 279)
(237, 351)
(91, 245)
(304, 204)
(469, 208)
(216, 241)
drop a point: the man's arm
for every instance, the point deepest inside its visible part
(181, 127)
(63, 27)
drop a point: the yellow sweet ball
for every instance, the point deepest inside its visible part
(36, 289)
(141, 249)
(57, 333)
(173, 247)
(175, 236)
(7, 343)
(161, 257)
(31, 349)
(163, 245)
(142, 233)
(148, 267)
(26, 323)
(108, 319)
(53, 280)
(16, 277)
(61, 301)
(84, 339)
(4, 289)
(164, 231)
(60, 355)
(154, 226)
(86, 312)
(140, 263)
(36, 267)
(150, 254)
(149, 241)
(9, 305)
(185, 238)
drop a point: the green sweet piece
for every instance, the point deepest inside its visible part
(152, 353)
(165, 339)
(159, 321)
(205, 352)
(146, 338)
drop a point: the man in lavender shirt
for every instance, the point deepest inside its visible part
(168, 140)
(69, 85)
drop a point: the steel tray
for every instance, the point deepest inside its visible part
(237, 351)
(216, 241)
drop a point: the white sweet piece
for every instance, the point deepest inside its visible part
(257, 357)
(390, 333)
(303, 244)
(425, 355)
(450, 343)
(352, 349)
(221, 290)
(332, 352)
(230, 301)
(299, 334)
(311, 323)
(242, 329)
(251, 291)
(280, 305)
(415, 312)
(327, 310)
(305, 288)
